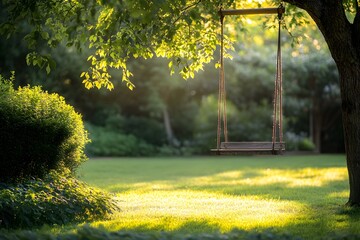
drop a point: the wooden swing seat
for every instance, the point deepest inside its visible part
(227, 148)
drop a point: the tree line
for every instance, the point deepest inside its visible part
(168, 115)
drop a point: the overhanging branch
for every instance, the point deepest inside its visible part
(312, 7)
(341, 36)
(185, 9)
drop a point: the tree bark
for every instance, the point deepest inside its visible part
(343, 39)
(350, 93)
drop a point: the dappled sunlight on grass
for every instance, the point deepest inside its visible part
(314, 177)
(341, 194)
(222, 212)
(274, 183)
(289, 178)
(288, 194)
(307, 177)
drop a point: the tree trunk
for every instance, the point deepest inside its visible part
(343, 39)
(350, 93)
(340, 38)
(168, 129)
(315, 117)
(317, 129)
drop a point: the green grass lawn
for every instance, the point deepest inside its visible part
(300, 195)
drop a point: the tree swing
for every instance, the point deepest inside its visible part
(276, 146)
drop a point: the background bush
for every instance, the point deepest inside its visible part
(109, 142)
(306, 145)
(38, 132)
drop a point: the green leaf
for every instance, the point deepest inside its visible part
(48, 69)
(45, 35)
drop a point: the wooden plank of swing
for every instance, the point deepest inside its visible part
(246, 152)
(251, 145)
(251, 11)
(250, 148)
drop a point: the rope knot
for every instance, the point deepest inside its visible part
(281, 10)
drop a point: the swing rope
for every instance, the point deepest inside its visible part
(277, 131)
(222, 91)
(277, 128)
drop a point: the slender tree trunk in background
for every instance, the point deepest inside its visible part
(315, 126)
(168, 129)
(317, 129)
(318, 126)
(343, 39)
(315, 117)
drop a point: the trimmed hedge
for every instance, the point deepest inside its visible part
(38, 132)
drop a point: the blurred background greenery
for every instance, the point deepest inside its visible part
(166, 115)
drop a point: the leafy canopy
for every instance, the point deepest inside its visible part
(184, 31)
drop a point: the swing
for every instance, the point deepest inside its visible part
(276, 145)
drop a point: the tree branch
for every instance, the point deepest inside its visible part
(191, 6)
(186, 9)
(312, 7)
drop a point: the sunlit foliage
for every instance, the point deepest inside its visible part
(184, 31)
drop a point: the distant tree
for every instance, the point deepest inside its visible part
(311, 79)
(166, 99)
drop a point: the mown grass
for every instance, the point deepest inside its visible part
(300, 195)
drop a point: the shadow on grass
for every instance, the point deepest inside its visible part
(189, 226)
(107, 172)
(90, 233)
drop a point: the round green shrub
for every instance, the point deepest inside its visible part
(38, 132)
